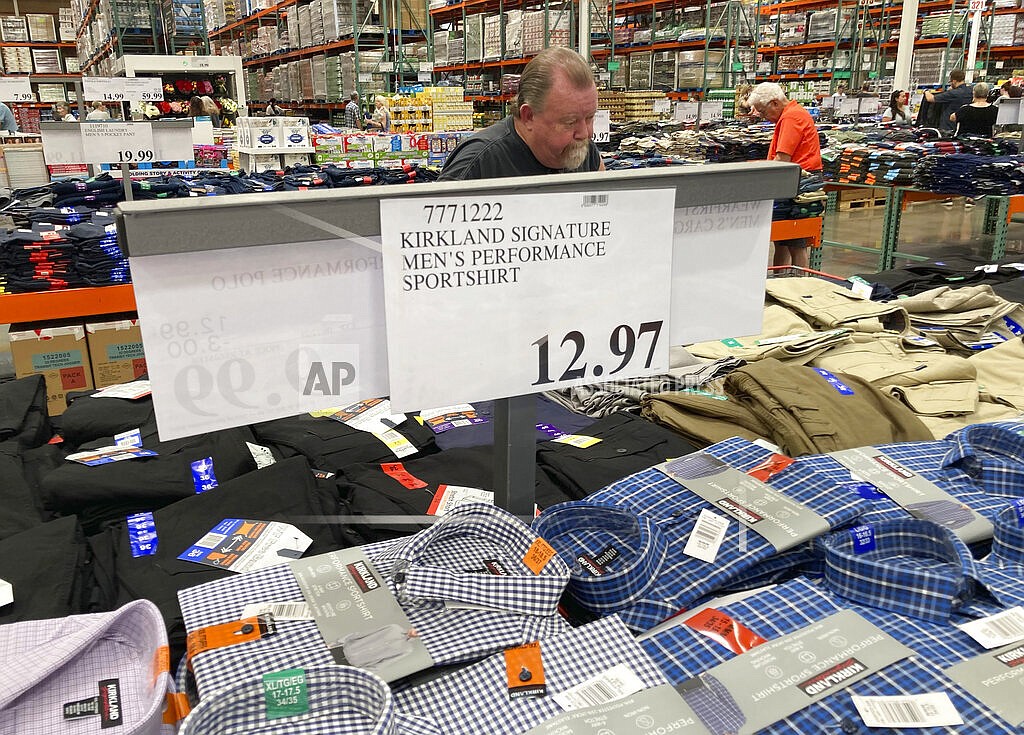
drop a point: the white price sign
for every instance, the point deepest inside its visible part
(386, 66)
(423, 76)
(144, 89)
(107, 89)
(662, 106)
(849, 106)
(686, 111)
(117, 142)
(602, 126)
(426, 66)
(13, 89)
(501, 278)
(712, 111)
(232, 337)
(365, 77)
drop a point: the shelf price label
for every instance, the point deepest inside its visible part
(602, 126)
(123, 89)
(144, 89)
(503, 279)
(662, 106)
(117, 142)
(426, 66)
(13, 89)
(712, 110)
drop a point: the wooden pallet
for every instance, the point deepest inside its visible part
(846, 206)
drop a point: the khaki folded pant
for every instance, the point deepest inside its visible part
(1001, 372)
(833, 306)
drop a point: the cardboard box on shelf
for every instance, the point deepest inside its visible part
(115, 351)
(57, 351)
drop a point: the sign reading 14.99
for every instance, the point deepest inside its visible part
(547, 290)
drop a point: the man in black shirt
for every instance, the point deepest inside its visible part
(958, 95)
(978, 117)
(549, 130)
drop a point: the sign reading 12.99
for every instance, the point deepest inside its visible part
(488, 296)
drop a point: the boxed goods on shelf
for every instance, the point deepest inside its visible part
(316, 23)
(690, 69)
(492, 37)
(474, 37)
(539, 26)
(319, 72)
(305, 27)
(13, 28)
(40, 27)
(640, 70)
(60, 353)
(513, 34)
(663, 70)
(115, 351)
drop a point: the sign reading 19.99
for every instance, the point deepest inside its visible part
(117, 142)
(548, 290)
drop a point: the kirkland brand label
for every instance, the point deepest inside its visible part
(996, 678)
(649, 712)
(915, 494)
(779, 520)
(56, 360)
(359, 618)
(111, 714)
(127, 351)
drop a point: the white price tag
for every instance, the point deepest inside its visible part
(686, 111)
(712, 111)
(662, 106)
(143, 89)
(920, 710)
(222, 347)
(386, 66)
(62, 146)
(707, 536)
(14, 89)
(365, 77)
(615, 683)
(423, 76)
(132, 391)
(261, 455)
(602, 126)
(117, 142)
(449, 497)
(426, 66)
(997, 630)
(849, 106)
(6, 593)
(507, 271)
(280, 610)
(107, 89)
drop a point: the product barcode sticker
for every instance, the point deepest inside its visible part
(920, 710)
(280, 610)
(398, 444)
(997, 630)
(615, 683)
(707, 536)
(578, 440)
(210, 540)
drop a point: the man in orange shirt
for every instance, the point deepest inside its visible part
(795, 140)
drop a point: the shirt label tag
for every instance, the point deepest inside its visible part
(597, 565)
(142, 536)
(997, 630)
(863, 539)
(111, 714)
(131, 438)
(765, 444)
(228, 634)
(358, 616)
(608, 686)
(1013, 326)
(285, 693)
(373, 415)
(397, 443)
(919, 340)
(835, 382)
(724, 630)
(261, 455)
(397, 472)
(203, 477)
(448, 497)
(770, 467)
(577, 440)
(524, 671)
(279, 610)
(176, 708)
(861, 289)
(131, 391)
(82, 708)
(995, 678)
(778, 519)
(440, 420)
(707, 535)
(553, 431)
(244, 545)
(107, 455)
(323, 474)
(538, 555)
(914, 493)
(918, 710)
(732, 342)
(6, 593)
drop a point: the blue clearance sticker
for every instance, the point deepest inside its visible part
(835, 382)
(1013, 326)
(866, 490)
(142, 534)
(863, 539)
(1018, 505)
(202, 475)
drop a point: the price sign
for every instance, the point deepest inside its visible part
(849, 106)
(423, 76)
(117, 142)
(386, 66)
(662, 106)
(426, 66)
(144, 89)
(365, 77)
(107, 89)
(232, 337)
(712, 111)
(13, 89)
(508, 271)
(602, 126)
(686, 111)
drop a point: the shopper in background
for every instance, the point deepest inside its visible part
(978, 117)
(62, 113)
(958, 95)
(796, 140)
(98, 112)
(353, 117)
(274, 109)
(840, 92)
(1011, 90)
(211, 109)
(897, 112)
(549, 130)
(381, 119)
(7, 121)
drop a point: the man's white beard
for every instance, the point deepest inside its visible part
(574, 156)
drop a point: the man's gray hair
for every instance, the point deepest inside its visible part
(764, 93)
(539, 75)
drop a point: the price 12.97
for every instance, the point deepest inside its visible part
(622, 344)
(134, 156)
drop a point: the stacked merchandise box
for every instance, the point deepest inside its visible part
(412, 16)
(558, 28)
(640, 70)
(700, 68)
(319, 71)
(412, 114)
(352, 150)
(293, 132)
(663, 70)
(492, 37)
(66, 25)
(71, 65)
(28, 119)
(926, 67)
(294, 81)
(316, 23)
(638, 106)
(942, 25)
(474, 37)
(183, 18)
(456, 49)
(17, 59)
(398, 150)
(292, 23)
(510, 84)
(305, 79)
(1003, 31)
(792, 29)
(40, 27)
(46, 61)
(13, 28)
(615, 103)
(450, 110)
(513, 34)
(305, 27)
(115, 351)
(58, 352)
(618, 69)
(441, 146)
(441, 47)
(259, 133)
(52, 93)
(335, 84)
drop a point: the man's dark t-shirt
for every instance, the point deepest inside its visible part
(498, 151)
(950, 101)
(976, 120)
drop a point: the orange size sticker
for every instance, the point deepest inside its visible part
(772, 466)
(396, 471)
(161, 662)
(721, 628)
(228, 634)
(538, 555)
(524, 671)
(176, 708)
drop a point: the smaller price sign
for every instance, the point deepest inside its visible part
(118, 142)
(423, 76)
(365, 77)
(426, 66)
(662, 106)
(602, 126)
(144, 89)
(686, 111)
(386, 66)
(16, 90)
(712, 111)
